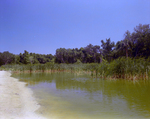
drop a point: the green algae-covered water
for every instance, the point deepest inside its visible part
(71, 96)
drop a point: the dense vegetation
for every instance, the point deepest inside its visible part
(128, 58)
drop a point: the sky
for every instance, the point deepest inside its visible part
(42, 26)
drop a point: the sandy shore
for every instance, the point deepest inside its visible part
(16, 100)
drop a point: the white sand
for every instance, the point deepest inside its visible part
(16, 100)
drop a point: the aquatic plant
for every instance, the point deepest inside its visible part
(122, 68)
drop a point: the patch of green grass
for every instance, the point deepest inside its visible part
(124, 68)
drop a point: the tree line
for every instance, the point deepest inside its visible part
(134, 45)
(25, 58)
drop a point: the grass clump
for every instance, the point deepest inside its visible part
(121, 68)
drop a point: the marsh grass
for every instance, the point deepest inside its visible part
(121, 68)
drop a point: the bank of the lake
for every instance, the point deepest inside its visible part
(16, 100)
(69, 96)
(121, 68)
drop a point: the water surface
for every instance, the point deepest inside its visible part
(71, 96)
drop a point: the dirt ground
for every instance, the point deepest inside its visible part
(16, 100)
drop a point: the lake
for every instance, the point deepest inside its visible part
(72, 96)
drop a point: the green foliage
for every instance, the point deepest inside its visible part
(6, 58)
(89, 54)
(129, 58)
(136, 44)
(133, 45)
(123, 67)
(107, 50)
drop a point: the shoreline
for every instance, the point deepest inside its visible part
(16, 100)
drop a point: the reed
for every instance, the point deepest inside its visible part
(121, 68)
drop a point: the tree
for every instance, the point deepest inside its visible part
(31, 59)
(17, 59)
(6, 58)
(60, 55)
(140, 39)
(26, 57)
(123, 47)
(96, 51)
(126, 42)
(107, 49)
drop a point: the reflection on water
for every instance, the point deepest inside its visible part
(70, 96)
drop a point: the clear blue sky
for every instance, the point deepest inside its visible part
(42, 26)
